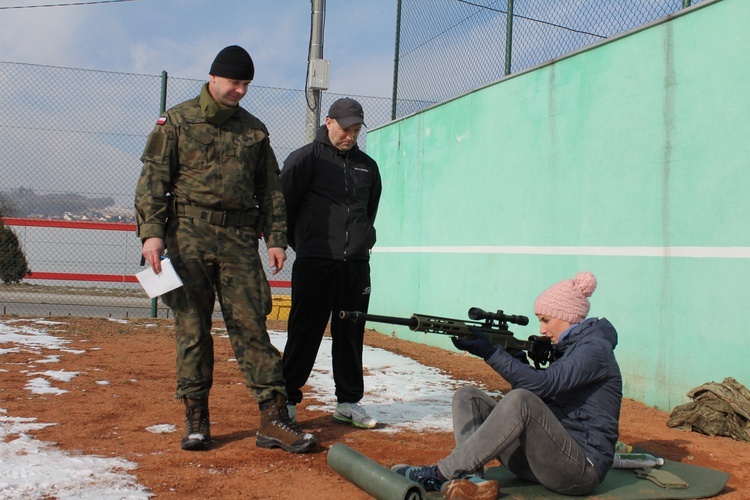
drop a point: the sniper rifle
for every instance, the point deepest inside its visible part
(493, 325)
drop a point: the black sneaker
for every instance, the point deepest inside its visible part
(426, 476)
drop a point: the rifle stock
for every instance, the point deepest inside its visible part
(538, 348)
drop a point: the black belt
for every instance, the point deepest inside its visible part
(217, 218)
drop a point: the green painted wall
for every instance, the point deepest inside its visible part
(629, 159)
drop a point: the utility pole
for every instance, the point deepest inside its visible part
(317, 70)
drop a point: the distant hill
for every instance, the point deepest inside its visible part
(24, 202)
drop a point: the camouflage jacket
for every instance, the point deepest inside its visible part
(229, 167)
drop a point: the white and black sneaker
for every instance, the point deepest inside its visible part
(353, 413)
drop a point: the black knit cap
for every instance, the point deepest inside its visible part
(233, 62)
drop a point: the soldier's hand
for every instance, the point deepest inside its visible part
(276, 258)
(152, 250)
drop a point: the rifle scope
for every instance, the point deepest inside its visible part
(478, 314)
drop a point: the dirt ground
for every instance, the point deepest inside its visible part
(110, 420)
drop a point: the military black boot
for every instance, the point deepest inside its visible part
(197, 434)
(277, 430)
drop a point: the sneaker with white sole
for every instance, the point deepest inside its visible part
(353, 413)
(426, 476)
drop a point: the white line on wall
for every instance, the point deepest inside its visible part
(685, 252)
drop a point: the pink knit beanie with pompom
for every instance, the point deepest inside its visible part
(568, 299)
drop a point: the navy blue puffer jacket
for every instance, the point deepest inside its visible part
(583, 387)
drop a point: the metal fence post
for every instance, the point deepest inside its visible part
(508, 37)
(394, 97)
(162, 109)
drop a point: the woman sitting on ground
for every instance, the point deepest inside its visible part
(557, 426)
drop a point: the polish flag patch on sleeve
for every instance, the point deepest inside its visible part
(162, 120)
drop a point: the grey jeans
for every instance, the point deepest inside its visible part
(523, 434)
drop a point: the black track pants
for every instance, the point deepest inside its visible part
(320, 289)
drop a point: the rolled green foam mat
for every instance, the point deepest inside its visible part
(371, 477)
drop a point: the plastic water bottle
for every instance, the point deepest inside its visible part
(636, 461)
(621, 447)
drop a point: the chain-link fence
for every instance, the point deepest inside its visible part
(72, 138)
(446, 48)
(70, 152)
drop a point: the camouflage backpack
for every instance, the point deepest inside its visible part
(716, 410)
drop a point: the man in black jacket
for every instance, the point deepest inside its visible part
(332, 190)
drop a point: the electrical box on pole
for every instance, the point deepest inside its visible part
(317, 70)
(318, 74)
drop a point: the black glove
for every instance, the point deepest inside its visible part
(478, 346)
(519, 354)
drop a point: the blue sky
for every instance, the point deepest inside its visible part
(183, 36)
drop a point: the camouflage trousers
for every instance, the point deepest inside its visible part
(220, 261)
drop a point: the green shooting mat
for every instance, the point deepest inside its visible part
(619, 484)
(622, 483)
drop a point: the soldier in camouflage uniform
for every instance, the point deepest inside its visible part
(208, 191)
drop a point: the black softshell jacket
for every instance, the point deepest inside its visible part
(331, 198)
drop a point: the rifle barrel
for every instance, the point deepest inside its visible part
(539, 348)
(357, 316)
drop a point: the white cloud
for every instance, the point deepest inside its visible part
(84, 132)
(42, 36)
(182, 37)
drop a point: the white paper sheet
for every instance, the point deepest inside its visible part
(158, 284)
